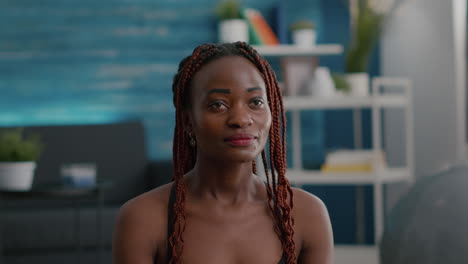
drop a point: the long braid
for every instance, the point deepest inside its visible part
(179, 142)
(279, 192)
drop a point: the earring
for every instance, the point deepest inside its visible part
(192, 141)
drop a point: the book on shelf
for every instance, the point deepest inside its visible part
(260, 32)
(352, 161)
(364, 167)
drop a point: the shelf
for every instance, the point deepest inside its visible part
(342, 102)
(293, 51)
(387, 175)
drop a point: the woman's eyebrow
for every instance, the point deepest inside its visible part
(227, 91)
(253, 89)
(223, 91)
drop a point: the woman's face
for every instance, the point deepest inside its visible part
(229, 114)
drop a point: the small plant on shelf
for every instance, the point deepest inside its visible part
(368, 19)
(18, 155)
(367, 25)
(14, 147)
(228, 9)
(341, 84)
(367, 22)
(303, 33)
(231, 26)
(301, 24)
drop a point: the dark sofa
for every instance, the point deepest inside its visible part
(42, 230)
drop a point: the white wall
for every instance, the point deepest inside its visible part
(424, 41)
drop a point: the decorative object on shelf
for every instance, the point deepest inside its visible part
(358, 83)
(367, 20)
(231, 26)
(288, 51)
(320, 84)
(303, 33)
(260, 32)
(365, 30)
(79, 174)
(297, 72)
(18, 157)
(341, 84)
(353, 161)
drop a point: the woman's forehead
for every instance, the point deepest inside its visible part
(235, 71)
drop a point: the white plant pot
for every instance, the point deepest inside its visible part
(17, 176)
(233, 30)
(304, 37)
(358, 83)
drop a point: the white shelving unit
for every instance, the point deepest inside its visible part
(343, 102)
(296, 59)
(385, 175)
(293, 51)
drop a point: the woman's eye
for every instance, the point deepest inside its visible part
(257, 102)
(217, 106)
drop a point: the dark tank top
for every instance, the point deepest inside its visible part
(170, 226)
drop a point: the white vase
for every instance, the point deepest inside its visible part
(358, 83)
(321, 84)
(17, 176)
(233, 30)
(304, 37)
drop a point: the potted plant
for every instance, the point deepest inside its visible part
(231, 26)
(18, 156)
(341, 84)
(303, 33)
(365, 31)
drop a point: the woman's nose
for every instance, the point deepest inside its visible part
(239, 117)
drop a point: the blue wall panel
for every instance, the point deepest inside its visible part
(75, 61)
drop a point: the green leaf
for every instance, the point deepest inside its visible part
(15, 147)
(228, 9)
(366, 32)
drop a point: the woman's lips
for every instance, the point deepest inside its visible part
(240, 140)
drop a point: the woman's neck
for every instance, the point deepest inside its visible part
(227, 182)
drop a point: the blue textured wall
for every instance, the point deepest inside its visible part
(83, 61)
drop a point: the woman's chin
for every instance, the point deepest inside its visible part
(238, 158)
(245, 158)
(235, 155)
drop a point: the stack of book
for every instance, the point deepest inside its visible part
(343, 161)
(260, 32)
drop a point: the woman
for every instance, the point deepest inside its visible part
(217, 210)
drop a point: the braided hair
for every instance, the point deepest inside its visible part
(279, 191)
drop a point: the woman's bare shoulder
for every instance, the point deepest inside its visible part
(149, 206)
(306, 204)
(141, 226)
(156, 195)
(313, 227)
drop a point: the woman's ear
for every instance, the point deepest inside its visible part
(187, 121)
